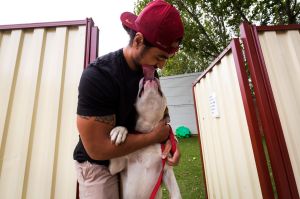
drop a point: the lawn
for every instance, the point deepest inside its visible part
(189, 171)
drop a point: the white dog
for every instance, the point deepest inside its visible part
(140, 170)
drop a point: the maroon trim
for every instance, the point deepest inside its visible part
(198, 129)
(94, 43)
(279, 27)
(256, 140)
(218, 59)
(88, 36)
(42, 25)
(281, 166)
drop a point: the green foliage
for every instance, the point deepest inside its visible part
(211, 24)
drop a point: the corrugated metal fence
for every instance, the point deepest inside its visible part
(281, 53)
(40, 66)
(235, 165)
(178, 92)
(226, 137)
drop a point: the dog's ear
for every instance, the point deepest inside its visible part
(159, 88)
(141, 87)
(166, 115)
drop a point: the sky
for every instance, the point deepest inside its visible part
(105, 14)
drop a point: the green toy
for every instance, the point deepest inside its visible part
(183, 132)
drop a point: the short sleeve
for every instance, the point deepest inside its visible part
(97, 93)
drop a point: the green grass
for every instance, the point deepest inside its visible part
(269, 168)
(189, 171)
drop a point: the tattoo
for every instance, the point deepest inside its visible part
(108, 119)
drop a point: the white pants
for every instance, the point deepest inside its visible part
(96, 182)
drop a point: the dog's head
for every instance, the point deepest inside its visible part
(151, 103)
(149, 80)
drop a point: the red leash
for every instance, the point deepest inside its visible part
(173, 149)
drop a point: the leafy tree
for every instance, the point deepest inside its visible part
(211, 24)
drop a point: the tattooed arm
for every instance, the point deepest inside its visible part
(94, 133)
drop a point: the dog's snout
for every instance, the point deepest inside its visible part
(151, 84)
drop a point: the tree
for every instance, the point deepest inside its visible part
(211, 24)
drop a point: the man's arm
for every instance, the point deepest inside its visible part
(94, 133)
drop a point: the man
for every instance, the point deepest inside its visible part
(107, 93)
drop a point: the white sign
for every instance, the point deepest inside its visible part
(212, 99)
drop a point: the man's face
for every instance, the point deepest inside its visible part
(153, 56)
(150, 56)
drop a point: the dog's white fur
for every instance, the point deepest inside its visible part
(140, 170)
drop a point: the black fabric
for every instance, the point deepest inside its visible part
(108, 86)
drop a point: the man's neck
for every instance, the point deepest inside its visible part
(129, 58)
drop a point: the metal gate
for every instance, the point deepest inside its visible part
(235, 165)
(40, 67)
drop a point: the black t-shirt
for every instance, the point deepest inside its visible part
(108, 86)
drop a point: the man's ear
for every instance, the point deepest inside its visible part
(138, 40)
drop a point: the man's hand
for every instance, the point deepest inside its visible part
(172, 160)
(161, 132)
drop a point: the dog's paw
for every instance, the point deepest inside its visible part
(118, 135)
